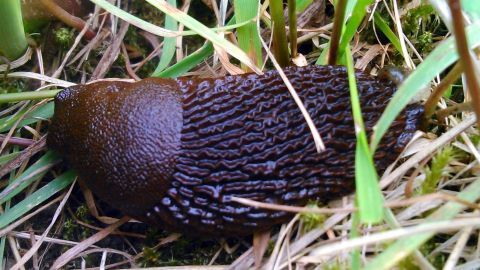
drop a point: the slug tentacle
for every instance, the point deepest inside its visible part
(174, 152)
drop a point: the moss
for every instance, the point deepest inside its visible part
(311, 221)
(64, 37)
(421, 25)
(437, 169)
(151, 257)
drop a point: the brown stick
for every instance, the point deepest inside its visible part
(465, 56)
(442, 114)
(437, 93)
(67, 18)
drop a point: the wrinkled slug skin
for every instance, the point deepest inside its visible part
(173, 152)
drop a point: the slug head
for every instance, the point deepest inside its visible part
(121, 138)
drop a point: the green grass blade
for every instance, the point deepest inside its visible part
(34, 172)
(369, 197)
(2, 249)
(7, 157)
(205, 32)
(169, 43)
(383, 26)
(149, 27)
(438, 60)
(323, 58)
(37, 198)
(358, 13)
(191, 60)
(405, 246)
(187, 63)
(43, 112)
(13, 42)
(355, 257)
(32, 95)
(247, 35)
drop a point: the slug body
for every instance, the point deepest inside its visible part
(174, 152)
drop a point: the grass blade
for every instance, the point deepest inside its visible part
(205, 32)
(280, 45)
(438, 60)
(247, 35)
(149, 27)
(191, 60)
(37, 198)
(380, 22)
(358, 14)
(405, 246)
(43, 112)
(169, 43)
(369, 197)
(187, 63)
(34, 172)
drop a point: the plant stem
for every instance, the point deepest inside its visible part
(292, 23)
(248, 39)
(13, 42)
(14, 97)
(280, 48)
(67, 18)
(440, 89)
(337, 31)
(464, 55)
(442, 114)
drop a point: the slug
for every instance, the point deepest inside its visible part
(173, 152)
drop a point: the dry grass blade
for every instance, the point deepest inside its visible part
(19, 62)
(40, 77)
(288, 208)
(111, 53)
(432, 227)
(135, 20)
(205, 32)
(71, 253)
(459, 246)
(37, 245)
(430, 148)
(26, 154)
(19, 222)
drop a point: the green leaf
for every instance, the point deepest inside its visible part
(7, 157)
(301, 5)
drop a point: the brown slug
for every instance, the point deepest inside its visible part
(172, 152)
